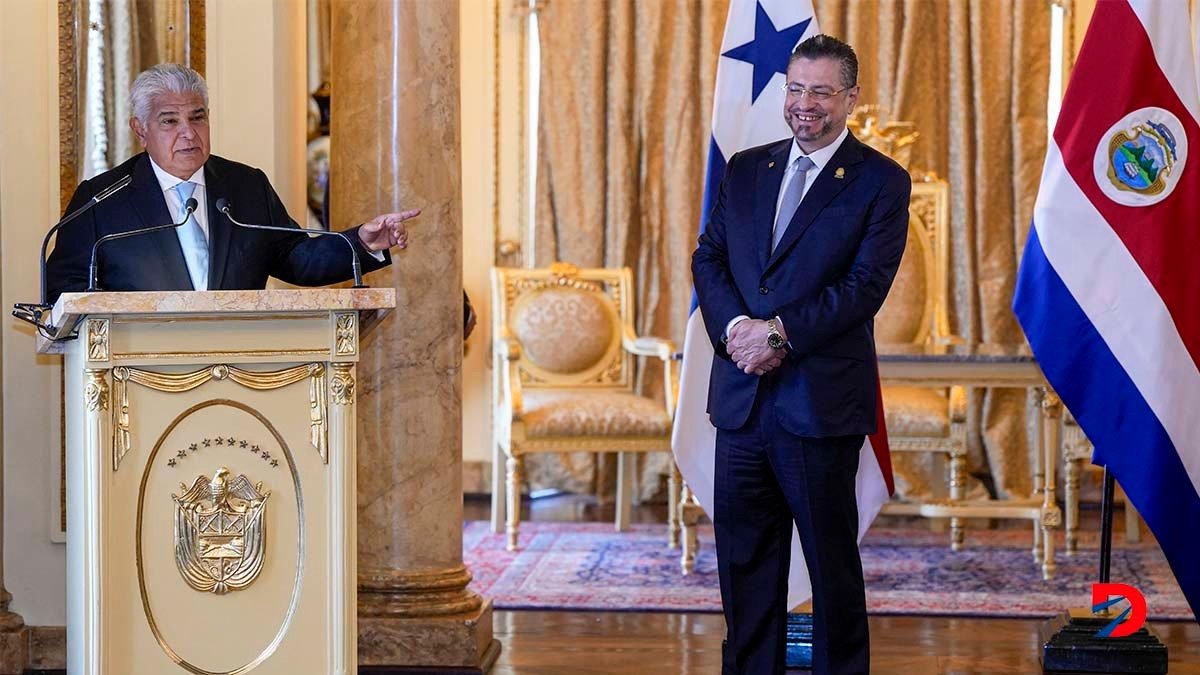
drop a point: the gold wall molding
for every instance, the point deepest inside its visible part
(341, 387)
(139, 559)
(346, 334)
(176, 383)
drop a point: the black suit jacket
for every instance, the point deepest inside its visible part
(239, 259)
(825, 281)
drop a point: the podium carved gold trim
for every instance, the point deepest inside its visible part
(176, 383)
(95, 394)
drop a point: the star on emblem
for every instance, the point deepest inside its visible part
(193, 447)
(220, 441)
(230, 441)
(171, 462)
(243, 444)
(181, 454)
(274, 462)
(266, 455)
(254, 449)
(207, 443)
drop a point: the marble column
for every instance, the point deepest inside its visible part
(396, 144)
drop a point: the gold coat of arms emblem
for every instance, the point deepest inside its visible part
(219, 532)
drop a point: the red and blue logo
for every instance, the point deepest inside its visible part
(1127, 622)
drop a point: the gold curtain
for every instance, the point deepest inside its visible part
(119, 39)
(625, 108)
(623, 135)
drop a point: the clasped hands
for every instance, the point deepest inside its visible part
(747, 346)
(387, 230)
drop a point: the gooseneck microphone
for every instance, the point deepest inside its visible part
(93, 272)
(223, 206)
(33, 313)
(100, 196)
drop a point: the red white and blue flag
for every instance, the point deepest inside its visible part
(1108, 291)
(748, 111)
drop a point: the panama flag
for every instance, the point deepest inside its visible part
(748, 111)
(1109, 286)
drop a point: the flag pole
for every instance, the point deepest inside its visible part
(1106, 523)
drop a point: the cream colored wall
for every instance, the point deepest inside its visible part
(250, 42)
(34, 566)
(257, 67)
(476, 68)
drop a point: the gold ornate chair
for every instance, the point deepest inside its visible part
(914, 319)
(564, 348)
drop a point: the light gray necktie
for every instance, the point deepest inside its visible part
(191, 238)
(791, 199)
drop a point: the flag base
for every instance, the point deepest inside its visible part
(1070, 645)
(799, 640)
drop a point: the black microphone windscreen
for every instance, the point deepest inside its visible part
(222, 204)
(191, 204)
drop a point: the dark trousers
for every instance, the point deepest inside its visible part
(766, 478)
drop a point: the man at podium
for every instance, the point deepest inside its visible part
(207, 250)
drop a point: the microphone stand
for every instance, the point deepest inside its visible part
(93, 271)
(223, 206)
(33, 312)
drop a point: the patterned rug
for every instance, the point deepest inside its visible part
(588, 566)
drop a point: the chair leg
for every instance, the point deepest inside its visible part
(958, 492)
(498, 494)
(1072, 503)
(938, 487)
(626, 465)
(515, 469)
(689, 518)
(673, 506)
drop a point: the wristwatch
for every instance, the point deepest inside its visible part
(774, 337)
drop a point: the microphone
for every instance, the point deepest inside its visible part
(32, 313)
(93, 273)
(223, 206)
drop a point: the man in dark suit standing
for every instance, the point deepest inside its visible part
(170, 118)
(797, 257)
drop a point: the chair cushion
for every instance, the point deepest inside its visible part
(586, 413)
(563, 330)
(916, 411)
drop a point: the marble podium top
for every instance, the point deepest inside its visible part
(71, 307)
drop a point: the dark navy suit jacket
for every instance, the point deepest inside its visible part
(239, 259)
(825, 281)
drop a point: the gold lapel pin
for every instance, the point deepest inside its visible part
(771, 165)
(840, 173)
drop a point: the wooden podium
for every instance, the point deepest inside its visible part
(211, 480)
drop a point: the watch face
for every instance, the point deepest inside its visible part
(774, 341)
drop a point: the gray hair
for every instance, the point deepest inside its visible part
(161, 79)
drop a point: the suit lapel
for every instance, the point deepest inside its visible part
(828, 185)
(219, 228)
(768, 182)
(151, 208)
